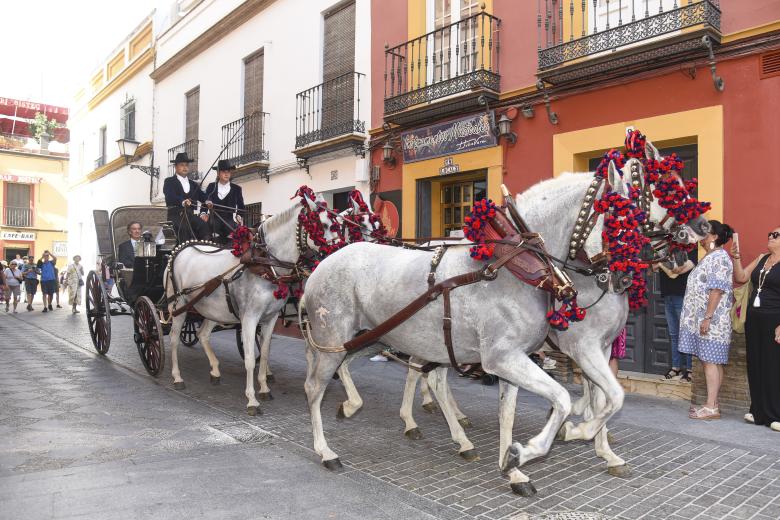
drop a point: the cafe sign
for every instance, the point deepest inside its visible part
(458, 136)
(22, 179)
(17, 235)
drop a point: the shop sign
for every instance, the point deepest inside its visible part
(462, 135)
(59, 248)
(17, 235)
(21, 179)
(449, 167)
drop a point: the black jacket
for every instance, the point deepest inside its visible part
(234, 199)
(126, 254)
(175, 195)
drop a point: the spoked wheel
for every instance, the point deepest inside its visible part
(189, 332)
(149, 336)
(240, 343)
(98, 315)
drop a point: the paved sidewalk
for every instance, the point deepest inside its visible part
(681, 469)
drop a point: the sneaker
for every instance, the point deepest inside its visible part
(378, 357)
(59, 306)
(549, 363)
(775, 425)
(29, 307)
(51, 308)
(45, 309)
(748, 417)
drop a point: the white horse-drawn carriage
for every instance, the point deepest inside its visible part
(442, 309)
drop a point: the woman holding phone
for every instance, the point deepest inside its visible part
(762, 331)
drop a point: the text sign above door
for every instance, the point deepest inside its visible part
(453, 137)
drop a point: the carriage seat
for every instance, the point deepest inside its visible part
(166, 228)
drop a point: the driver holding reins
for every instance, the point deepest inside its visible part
(180, 194)
(227, 200)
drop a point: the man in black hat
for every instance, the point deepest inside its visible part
(180, 194)
(227, 199)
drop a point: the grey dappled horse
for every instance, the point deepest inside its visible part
(496, 323)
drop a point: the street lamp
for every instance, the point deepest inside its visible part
(387, 154)
(127, 149)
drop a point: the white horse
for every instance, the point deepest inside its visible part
(252, 295)
(496, 323)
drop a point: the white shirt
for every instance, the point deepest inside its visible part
(223, 190)
(185, 182)
(134, 244)
(9, 276)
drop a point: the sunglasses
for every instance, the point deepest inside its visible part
(774, 234)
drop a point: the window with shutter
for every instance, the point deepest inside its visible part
(338, 65)
(192, 115)
(17, 210)
(101, 159)
(127, 120)
(253, 103)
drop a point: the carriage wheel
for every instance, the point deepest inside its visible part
(240, 343)
(149, 336)
(98, 315)
(189, 332)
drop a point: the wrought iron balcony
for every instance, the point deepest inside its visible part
(191, 149)
(457, 58)
(331, 109)
(247, 140)
(587, 41)
(17, 217)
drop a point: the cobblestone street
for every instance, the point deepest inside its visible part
(85, 437)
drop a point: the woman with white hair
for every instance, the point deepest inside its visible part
(13, 280)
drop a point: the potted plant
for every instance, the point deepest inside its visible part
(42, 129)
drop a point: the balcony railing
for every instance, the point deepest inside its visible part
(17, 217)
(456, 58)
(247, 139)
(570, 31)
(24, 143)
(191, 148)
(329, 110)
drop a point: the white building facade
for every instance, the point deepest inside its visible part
(278, 88)
(117, 103)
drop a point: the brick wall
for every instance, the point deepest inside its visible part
(734, 393)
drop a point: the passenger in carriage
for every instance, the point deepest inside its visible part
(227, 200)
(126, 250)
(180, 194)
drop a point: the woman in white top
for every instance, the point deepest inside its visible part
(13, 280)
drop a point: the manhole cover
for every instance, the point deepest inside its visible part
(243, 432)
(564, 515)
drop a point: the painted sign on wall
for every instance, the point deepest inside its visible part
(458, 136)
(17, 235)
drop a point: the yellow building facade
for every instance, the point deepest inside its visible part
(33, 204)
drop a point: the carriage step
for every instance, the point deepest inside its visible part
(243, 432)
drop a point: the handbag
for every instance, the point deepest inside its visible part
(740, 307)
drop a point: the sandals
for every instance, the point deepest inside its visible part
(686, 376)
(672, 373)
(704, 413)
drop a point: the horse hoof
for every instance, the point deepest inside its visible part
(178, 385)
(253, 410)
(414, 434)
(430, 407)
(265, 396)
(470, 455)
(215, 380)
(465, 422)
(611, 438)
(270, 378)
(524, 489)
(622, 471)
(332, 464)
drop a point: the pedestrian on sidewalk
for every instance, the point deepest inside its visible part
(762, 331)
(57, 287)
(672, 284)
(30, 273)
(75, 279)
(705, 322)
(5, 291)
(13, 279)
(618, 351)
(46, 266)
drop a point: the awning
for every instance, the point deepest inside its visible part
(28, 109)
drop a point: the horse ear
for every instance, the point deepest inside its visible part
(615, 179)
(651, 152)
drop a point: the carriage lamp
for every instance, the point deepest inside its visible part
(387, 154)
(127, 149)
(505, 129)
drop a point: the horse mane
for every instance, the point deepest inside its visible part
(279, 219)
(541, 192)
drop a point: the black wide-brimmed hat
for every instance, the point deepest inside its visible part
(182, 157)
(223, 165)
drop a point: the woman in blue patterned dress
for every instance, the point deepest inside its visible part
(705, 323)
